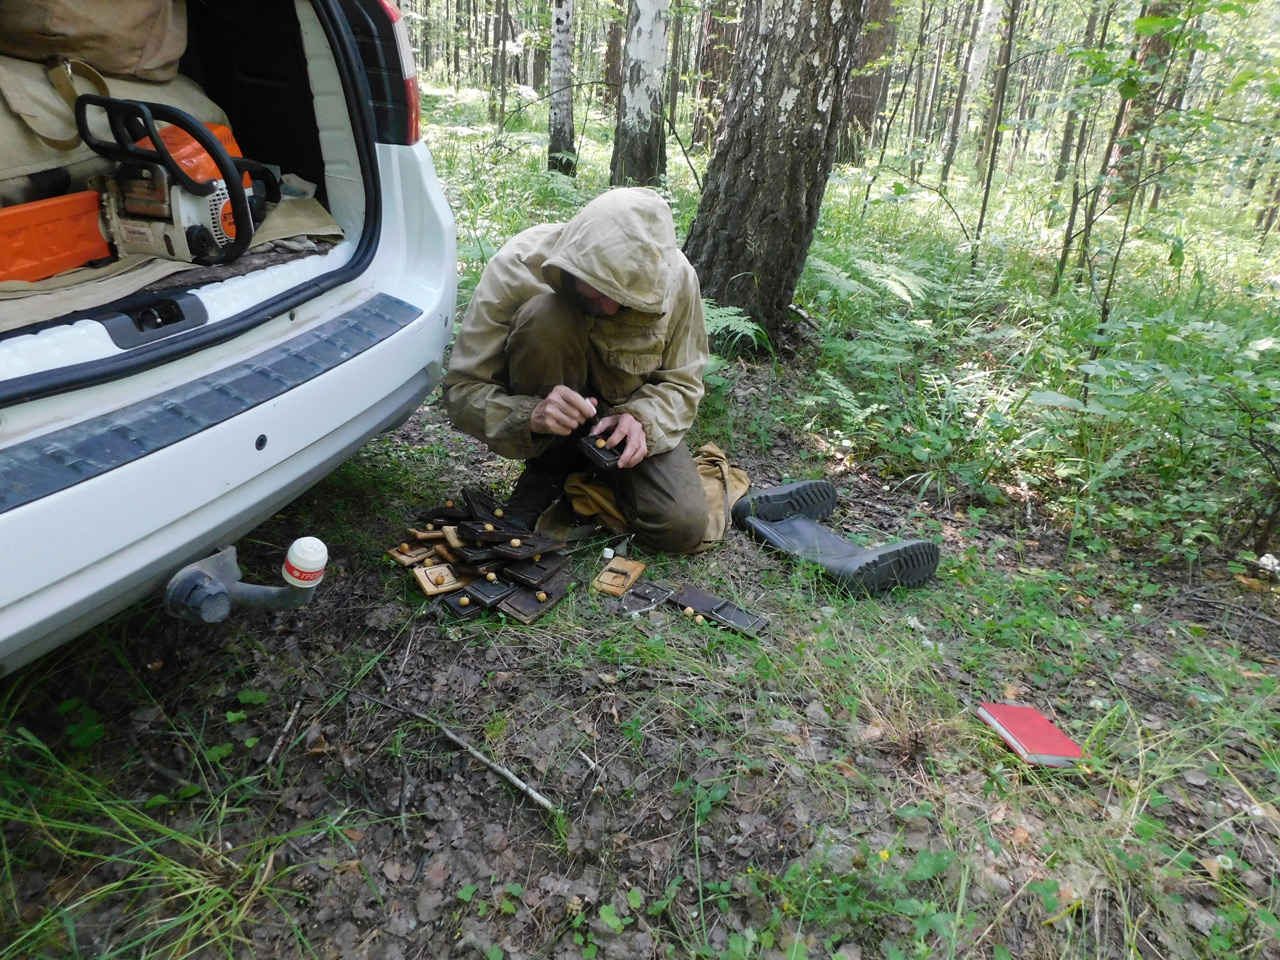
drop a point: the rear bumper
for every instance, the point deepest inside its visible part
(119, 502)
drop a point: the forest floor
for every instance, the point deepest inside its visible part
(822, 791)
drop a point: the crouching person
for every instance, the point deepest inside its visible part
(592, 327)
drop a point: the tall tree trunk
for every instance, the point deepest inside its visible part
(562, 151)
(1178, 97)
(1095, 194)
(913, 123)
(925, 130)
(460, 30)
(959, 114)
(1082, 72)
(714, 59)
(863, 93)
(782, 121)
(673, 67)
(502, 63)
(993, 127)
(1154, 51)
(640, 138)
(616, 15)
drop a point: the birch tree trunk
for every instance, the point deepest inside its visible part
(640, 137)
(561, 151)
(773, 155)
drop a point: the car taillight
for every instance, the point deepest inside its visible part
(408, 69)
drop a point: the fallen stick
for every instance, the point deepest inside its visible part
(497, 768)
(288, 725)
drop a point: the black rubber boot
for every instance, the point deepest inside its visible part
(811, 498)
(911, 563)
(541, 484)
(534, 492)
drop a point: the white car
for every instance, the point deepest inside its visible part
(141, 431)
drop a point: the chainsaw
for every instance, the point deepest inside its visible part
(183, 192)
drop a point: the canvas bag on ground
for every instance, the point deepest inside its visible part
(722, 484)
(129, 38)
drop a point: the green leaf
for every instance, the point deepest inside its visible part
(254, 696)
(251, 742)
(610, 916)
(1051, 398)
(1002, 953)
(158, 800)
(589, 951)
(514, 889)
(494, 953)
(188, 791)
(219, 753)
(928, 865)
(634, 898)
(467, 892)
(235, 716)
(909, 907)
(1149, 26)
(911, 810)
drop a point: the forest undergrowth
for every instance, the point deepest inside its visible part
(1101, 493)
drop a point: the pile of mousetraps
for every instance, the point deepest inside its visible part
(465, 554)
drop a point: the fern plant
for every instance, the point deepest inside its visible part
(728, 327)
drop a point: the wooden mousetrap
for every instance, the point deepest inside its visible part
(533, 573)
(438, 579)
(617, 576)
(528, 604)
(428, 531)
(462, 606)
(528, 545)
(411, 553)
(722, 613)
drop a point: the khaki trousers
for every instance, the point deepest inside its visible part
(661, 497)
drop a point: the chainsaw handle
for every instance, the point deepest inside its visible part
(142, 116)
(262, 174)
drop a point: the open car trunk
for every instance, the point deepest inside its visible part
(150, 416)
(287, 78)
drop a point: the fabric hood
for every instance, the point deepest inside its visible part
(620, 243)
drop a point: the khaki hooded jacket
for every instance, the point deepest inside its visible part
(647, 359)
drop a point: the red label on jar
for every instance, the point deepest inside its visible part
(306, 576)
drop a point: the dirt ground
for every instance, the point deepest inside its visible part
(424, 852)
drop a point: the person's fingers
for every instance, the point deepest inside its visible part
(633, 453)
(604, 424)
(575, 403)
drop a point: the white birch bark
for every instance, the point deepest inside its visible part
(561, 151)
(639, 154)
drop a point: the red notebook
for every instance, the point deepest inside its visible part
(1030, 734)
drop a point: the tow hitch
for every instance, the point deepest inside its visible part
(208, 590)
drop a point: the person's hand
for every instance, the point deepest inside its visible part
(561, 412)
(624, 427)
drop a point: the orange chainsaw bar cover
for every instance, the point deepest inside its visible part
(46, 237)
